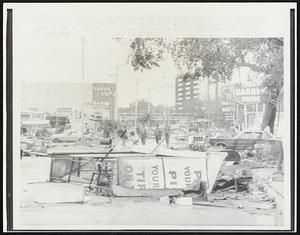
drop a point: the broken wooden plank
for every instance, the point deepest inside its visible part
(210, 204)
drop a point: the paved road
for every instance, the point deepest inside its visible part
(129, 211)
(101, 211)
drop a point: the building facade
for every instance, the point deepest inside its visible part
(185, 91)
(245, 107)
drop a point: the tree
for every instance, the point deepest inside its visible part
(146, 53)
(142, 105)
(195, 108)
(267, 58)
(216, 59)
(108, 126)
(145, 118)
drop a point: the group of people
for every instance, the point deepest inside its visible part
(141, 134)
(158, 133)
(134, 136)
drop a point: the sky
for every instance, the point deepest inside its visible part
(48, 48)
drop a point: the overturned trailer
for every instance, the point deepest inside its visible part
(137, 173)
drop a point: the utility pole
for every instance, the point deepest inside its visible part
(136, 103)
(245, 116)
(208, 108)
(149, 108)
(116, 94)
(82, 86)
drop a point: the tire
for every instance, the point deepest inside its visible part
(56, 140)
(221, 145)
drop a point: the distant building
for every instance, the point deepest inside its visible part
(31, 121)
(185, 90)
(158, 118)
(49, 96)
(32, 115)
(67, 111)
(63, 98)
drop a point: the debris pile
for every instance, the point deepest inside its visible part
(255, 201)
(268, 153)
(233, 178)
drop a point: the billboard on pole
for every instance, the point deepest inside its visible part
(104, 95)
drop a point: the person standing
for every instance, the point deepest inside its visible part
(134, 138)
(157, 134)
(167, 135)
(86, 129)
(124, 136)
(232, 131)
(144, 135)
(138, 131)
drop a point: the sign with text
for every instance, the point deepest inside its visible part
(180, 173)
(104, 96)
(160, 173)
(249, 94)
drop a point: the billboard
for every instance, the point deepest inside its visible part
(104, 95)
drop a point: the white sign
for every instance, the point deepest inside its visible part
(146, 173)
(167, 172)
(249, 91)
(227, 109)
(181, 174)
(249, 94)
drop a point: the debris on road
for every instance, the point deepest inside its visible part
(233, 177)
(198, 189)
(210, 204)
(183, 201)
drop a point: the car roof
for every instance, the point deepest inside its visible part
(266, 134)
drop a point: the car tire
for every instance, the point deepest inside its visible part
(56, 140)
(221, 145)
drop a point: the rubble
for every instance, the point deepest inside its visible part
(233, 177)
